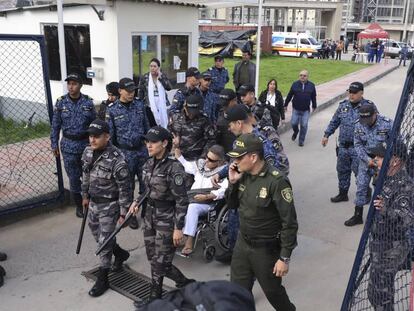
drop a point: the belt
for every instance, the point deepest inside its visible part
(126, 147)
(76, 137)
(99, 200)
(161, 204)
(347, 144)
(270, 242)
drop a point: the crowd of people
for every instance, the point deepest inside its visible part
(333, 49)
(209, 144)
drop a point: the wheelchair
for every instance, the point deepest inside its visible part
(212, 230)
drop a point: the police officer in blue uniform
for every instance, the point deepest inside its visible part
(128, 124)
(72, 114)
(345, 117)
(192, 81)
(211, 99)
(371, 130)
(219, 75)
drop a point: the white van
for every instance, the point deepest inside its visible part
(296, 44)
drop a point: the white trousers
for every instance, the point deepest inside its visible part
(194, 210)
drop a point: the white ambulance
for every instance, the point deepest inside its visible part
(297, 44)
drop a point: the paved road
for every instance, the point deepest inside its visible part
(44, 272)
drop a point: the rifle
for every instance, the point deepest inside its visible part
(118, 227)
(82, 230)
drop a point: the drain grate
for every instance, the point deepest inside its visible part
(127, 282)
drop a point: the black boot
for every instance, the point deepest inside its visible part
(133, 223)
(178, 277)
(121, 255)
(77, 197)
(224, 257)
(341, 197)
(101, 284)
(3, 256)
(356, 219)
(2, 275)
(155, 293)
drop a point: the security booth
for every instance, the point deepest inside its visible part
(107, 40)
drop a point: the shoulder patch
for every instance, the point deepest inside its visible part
(123, 173)
(287, 195)
(178, 180)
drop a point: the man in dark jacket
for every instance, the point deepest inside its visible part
(244, 71)
(303, 93)
(113, 94)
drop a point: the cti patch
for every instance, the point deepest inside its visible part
(287, 195)
(178, 180)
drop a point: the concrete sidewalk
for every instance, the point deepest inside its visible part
(331, 92)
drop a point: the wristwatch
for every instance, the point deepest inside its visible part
(286, 260)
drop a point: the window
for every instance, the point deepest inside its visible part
(174, 55)
(171, 50)
(78, 50)
(144, 48)
(304, 41)
(290, 40)
(397, 12)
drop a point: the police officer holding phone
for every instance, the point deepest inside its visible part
(268, 225)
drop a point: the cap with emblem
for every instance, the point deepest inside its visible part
(194, 103)
(192, 72)
(218, 57)
(127, 84)
(399, 150)
(237, 113)
(74, 77)
(246, 88)
(227, 94)
(355, 87)
(157, 133)
(366, 111)
(244, 144)
(98, 127)
(206, 75)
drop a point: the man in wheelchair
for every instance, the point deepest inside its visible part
(202, 195)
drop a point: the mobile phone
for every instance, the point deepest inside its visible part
(236, 168)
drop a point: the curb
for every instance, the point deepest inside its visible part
(338, 97)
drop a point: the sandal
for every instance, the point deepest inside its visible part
(186, 252)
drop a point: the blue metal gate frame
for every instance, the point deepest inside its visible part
(40, 39)
(353, 279)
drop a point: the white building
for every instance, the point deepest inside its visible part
(118, 42)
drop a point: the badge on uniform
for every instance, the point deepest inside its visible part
(123, 173)
(263, 193)
(287, 195)
(242, 187)
(178, 180)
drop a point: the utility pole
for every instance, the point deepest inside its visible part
(61, 38)
(258, 44)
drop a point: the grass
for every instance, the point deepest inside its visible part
(286, 70)
(13, 132)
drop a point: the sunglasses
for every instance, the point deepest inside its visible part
(211, 160)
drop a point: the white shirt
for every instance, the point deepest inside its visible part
(271, 98)
(201, 181)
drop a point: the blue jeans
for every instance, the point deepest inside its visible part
(300, 118)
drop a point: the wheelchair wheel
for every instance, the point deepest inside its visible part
(209, 253)
(221, 233)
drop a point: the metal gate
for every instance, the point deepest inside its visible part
(30, 175)
(381, 278)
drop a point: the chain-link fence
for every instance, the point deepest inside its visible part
(29, 174)
(381, 277)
